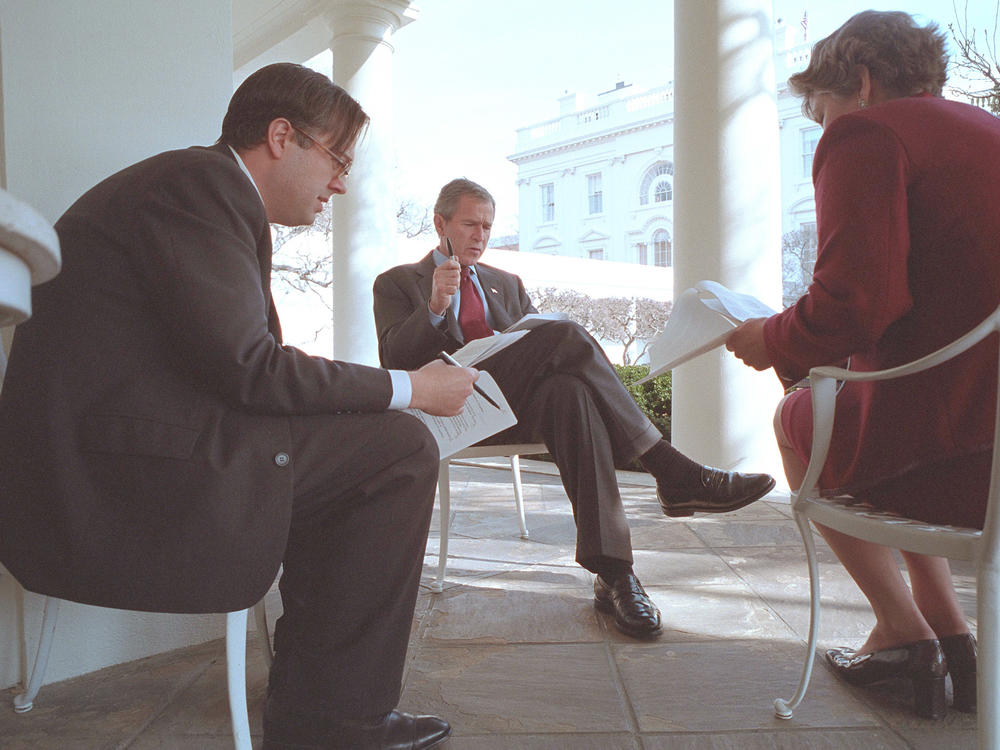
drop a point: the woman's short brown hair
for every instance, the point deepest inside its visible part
(904, 58)
(306, 98)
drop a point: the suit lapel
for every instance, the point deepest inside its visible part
(264, 258)
(493, 291)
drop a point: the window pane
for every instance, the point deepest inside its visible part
(663, 191)
(810, 137)
(595, 198)
(548, 202)
(662, 249)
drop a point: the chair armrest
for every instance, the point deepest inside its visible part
(823, 381)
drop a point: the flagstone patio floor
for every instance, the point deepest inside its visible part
(514, 655)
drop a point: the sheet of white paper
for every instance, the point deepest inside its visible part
(734, 305)
(477, 421)
(480, 349)
(531, 320)
(701, 320)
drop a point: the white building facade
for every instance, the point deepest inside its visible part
(597, 181)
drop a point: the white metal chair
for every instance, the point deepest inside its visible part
(236, 638)
(916, 536)
(511, 450)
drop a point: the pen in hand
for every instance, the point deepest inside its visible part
(445, 357)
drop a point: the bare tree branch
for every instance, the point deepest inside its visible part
(798, 256)
(413, 220)
(977, 60)
(630, 321)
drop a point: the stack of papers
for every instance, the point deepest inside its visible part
(702, 318)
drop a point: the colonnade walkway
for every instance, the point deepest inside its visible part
(515, 656)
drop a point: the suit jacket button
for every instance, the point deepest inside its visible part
(281, 458)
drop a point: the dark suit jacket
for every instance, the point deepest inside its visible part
(406, 338)
(144, 420)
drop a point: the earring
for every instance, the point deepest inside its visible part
(862, 103)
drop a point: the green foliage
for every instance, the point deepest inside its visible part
(653, 397)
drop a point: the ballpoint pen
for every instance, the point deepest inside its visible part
(445, 357)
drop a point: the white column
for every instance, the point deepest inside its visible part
(364, 220)
(727, 212)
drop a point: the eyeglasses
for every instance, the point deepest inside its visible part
(341, 165)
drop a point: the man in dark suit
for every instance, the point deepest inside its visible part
(163, 451)
(563, 390)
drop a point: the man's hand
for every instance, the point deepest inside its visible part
(441, 389)
(445, 283)
(747, 343)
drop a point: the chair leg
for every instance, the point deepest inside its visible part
(782, 708)
(236, 677)
(260, 618)
(24, 702)
(515, 467)
(444, 508)
(988, 660)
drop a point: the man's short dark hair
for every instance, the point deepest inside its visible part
(307, 99)
(447, 200)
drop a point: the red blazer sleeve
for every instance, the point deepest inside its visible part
(860, 286)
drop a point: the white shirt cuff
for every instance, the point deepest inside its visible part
(435, 318)
(402, 389)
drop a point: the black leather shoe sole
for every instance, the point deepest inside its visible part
(921, 662)
(633, 632)
(397, 730)
(713, 503)
(634, 613)
(960, 652)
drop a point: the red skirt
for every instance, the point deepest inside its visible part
(950, 491)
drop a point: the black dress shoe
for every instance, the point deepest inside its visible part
(719, 492)
(960, 653)
(395, 730)
(921, 662)
(635, 614)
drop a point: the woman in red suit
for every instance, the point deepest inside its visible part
(909, 259)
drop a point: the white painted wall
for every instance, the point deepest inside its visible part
(88, 88)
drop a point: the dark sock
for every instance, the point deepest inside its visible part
(608, 568)
(670, 466)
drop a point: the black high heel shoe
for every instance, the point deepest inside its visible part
(960, 652)
(921, 662)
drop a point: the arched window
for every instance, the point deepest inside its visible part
(663, 191)
(657, 184)
(662, 249)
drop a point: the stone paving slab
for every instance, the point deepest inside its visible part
(520, 689)
(784, 740)
(514, 654)
(498, 616)
(730, 685)
(576, 741)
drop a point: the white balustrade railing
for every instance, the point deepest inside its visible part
(29, 254)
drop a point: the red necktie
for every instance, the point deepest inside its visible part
(471, 316)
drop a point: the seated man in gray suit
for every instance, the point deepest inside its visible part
(563, 390)
(162, 450)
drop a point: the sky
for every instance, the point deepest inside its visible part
(469, 73)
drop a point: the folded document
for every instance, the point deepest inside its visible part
(701, 319)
